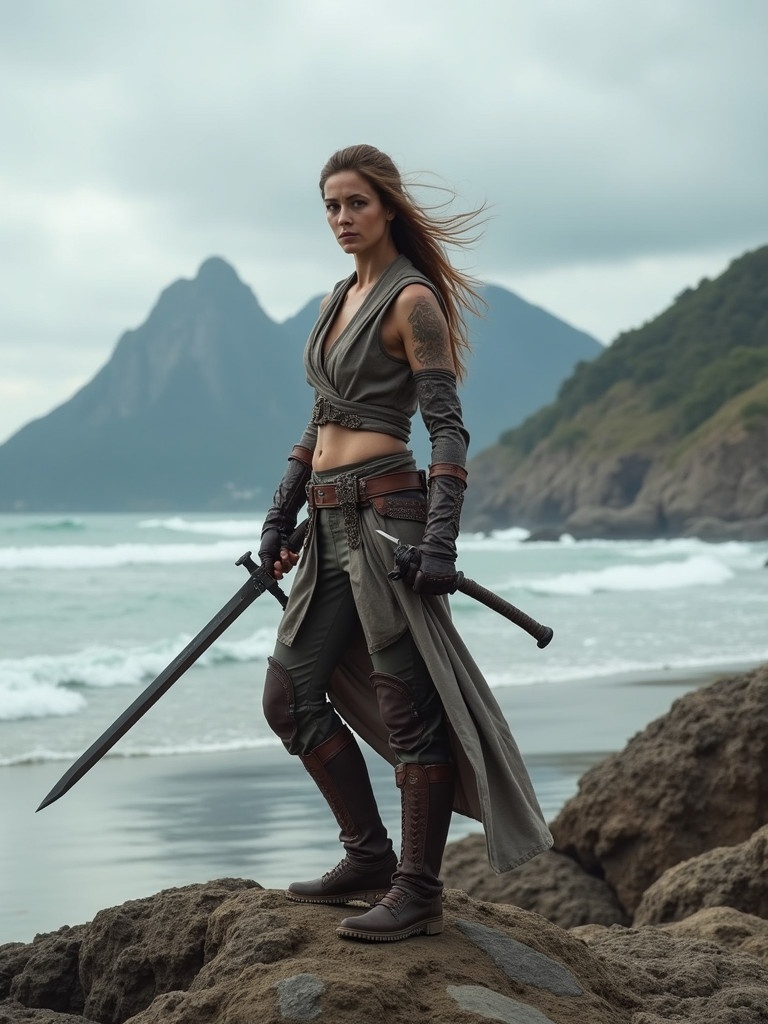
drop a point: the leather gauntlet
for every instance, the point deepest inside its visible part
(436, 573)
(430, 568)
(280, 521)
(441, 411)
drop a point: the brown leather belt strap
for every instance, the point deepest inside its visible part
(325, 495)
(448, 469)
(301, 454)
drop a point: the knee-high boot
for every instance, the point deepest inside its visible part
(338, 767)
(414, 903)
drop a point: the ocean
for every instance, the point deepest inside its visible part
(95, 606)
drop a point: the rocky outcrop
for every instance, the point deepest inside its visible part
(644, 839)
(684, 979)
(731, 876)
(693, 780)
(716, 489)
(742, 933)
(664, 434)
(260, 957)
(552, 884)
(251, 955)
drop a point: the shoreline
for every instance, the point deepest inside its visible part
(134, 826)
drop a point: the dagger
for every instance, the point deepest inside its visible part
(258, 581)
(542, 634)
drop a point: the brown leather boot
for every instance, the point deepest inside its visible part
(365, 873)
(413, 906)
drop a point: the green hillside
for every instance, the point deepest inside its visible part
(693, 378)
(680, 368)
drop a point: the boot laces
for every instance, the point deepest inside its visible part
(395, 899)
(334, 873)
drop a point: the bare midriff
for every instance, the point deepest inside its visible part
(340, 446)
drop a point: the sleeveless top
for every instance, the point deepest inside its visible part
(357, 384)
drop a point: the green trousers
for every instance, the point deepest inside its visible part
(406, 693)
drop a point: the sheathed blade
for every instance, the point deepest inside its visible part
(258, 582)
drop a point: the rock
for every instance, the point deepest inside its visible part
(15, 1013)
(683, 979)
(550, 533)
(743, 933)
(117, 964)
(132, 953)
(636, 520)
(48, 975)
(728, 876)
(691, 781)
(551, 884)
(266, 959)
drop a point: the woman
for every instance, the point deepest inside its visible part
(355, 645)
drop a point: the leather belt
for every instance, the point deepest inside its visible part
(326, 495)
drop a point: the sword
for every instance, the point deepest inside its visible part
(543, 634)
(258, 581)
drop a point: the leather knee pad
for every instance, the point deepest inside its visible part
(278, 702)
(399, 711)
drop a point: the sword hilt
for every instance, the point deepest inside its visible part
(261, 579)
(541, 633)
(405, 553)
(259, 575)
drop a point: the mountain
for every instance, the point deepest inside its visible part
(664, 434)
(199, 407)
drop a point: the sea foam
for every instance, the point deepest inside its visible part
(43, 685)
(81, 556)
(215, 528)
(691, 572)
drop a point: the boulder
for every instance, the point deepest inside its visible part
(728, 876)
(693, 780)
(266, 959)
(743, 933)
(263, 958)
(682, 978)
(551, 884)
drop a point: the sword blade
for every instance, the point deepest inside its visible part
(258, 582)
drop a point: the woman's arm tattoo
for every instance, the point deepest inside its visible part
(430, 337)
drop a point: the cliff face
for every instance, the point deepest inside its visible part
(715, 489)
(667, 436)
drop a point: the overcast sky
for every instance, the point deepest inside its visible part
(622, 146)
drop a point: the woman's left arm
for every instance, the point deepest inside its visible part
(425, 338)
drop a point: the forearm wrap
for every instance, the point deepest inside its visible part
(441, 411)
(291, 493)
(446, 496)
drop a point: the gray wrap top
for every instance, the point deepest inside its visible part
(357, 383)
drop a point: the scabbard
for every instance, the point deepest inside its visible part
(542, 634)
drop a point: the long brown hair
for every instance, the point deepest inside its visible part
(423, 237)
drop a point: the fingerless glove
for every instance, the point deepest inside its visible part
(280, 521)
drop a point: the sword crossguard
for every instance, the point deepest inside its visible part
(261, 579)
(248, 562)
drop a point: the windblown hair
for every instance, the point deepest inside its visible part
(423, 237)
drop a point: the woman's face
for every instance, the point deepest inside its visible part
(355, 213)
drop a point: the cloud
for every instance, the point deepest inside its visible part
(617, 145)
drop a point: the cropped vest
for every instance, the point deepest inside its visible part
(357, 384)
